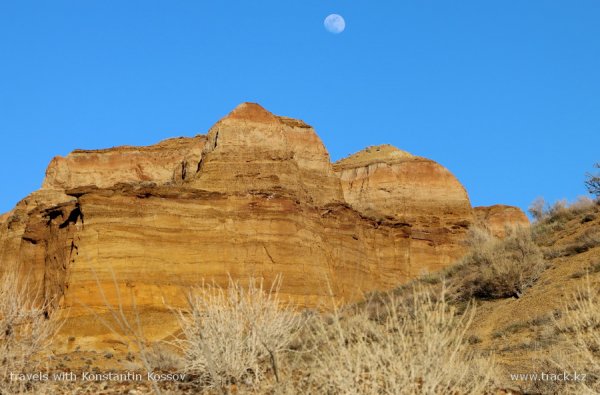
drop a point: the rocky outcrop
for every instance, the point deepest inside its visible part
(384, 182)
(500, 219)
(38, 238)
(253, 150)
(164, 162)
(258, 196)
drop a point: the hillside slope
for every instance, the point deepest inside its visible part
(522, 333)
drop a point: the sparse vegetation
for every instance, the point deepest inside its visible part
(585, 241)
(520, 326)
(561, 211)
(26, 329)
(581, 329)
(245, 337)
(350, 353)
(555, 219)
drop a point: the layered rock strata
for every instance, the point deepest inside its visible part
(385, 182)
(166, 161)
(256, 197)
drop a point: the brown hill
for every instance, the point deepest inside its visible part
(523, 333)
(257, 196)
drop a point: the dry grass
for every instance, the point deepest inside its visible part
(581, 329)
(234, 336)
(552, 231)
(245, 338)
(561, 211)
(26, 330)
(421, 349)
(552, 219)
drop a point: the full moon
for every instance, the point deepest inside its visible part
(335, 24)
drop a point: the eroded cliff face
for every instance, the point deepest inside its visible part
(500, 219)
(253, 150)
(258, 196)
(385, 182)
(39, 237)
(167, 161)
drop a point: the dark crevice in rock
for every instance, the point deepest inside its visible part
(73, 217)
(216, 140)
(53, 214)
(183, 169)
(199, 165)
(269, 254)
(30, 240)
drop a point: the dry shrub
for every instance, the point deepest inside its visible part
(26, 330)
(421, 349)
(561, 211)
(234, 335)
(589, 239)
(592, 182)
(537, 209)
(583, 204)
(581, 327)
(498, 268)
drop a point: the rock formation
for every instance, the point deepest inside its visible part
(252, 150)
(159, 163)
(385, 182)
(258, 196)
(499, 219)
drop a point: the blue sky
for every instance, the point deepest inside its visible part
(505, 94)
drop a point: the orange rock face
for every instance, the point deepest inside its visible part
(39, 234)
(160, 163)
(252, 150)
(499, 219)
(258, 196)
(385, 182)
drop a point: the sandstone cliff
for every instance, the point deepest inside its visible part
(385, 182)
(160, 163)
(499, 219)
(253, 150)
(258, 196)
